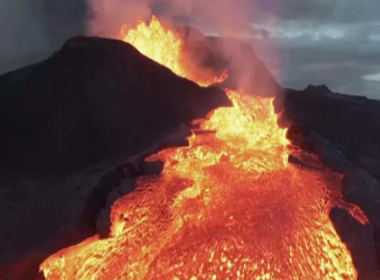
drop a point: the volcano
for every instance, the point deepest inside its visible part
(59, 115)
(253, 194)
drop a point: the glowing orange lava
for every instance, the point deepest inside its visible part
(166, 47)
(229, 206)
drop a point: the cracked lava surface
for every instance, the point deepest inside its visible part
(229, 206)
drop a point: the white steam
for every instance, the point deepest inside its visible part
(226, 17)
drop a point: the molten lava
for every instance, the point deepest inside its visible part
(166, 47)
(229, 206)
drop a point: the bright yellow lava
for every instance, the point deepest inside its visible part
(229, 206)
(166, 47)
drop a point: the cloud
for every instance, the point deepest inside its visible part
(374, 37)
(372, 77)
(323, 42)
(340, 63)
(318, 56)
(333, 11)
(297, 29)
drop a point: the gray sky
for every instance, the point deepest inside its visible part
(332, 42)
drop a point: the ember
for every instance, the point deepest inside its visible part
(229, 206)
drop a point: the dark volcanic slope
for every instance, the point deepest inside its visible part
(94, 99)
(350, 123)
(245, 69)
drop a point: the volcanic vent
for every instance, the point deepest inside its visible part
(228, 206)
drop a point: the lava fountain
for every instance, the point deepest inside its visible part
(166, 47)
(229, 206)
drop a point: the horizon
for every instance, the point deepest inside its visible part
(326, 43)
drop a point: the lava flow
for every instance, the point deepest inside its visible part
(229, 206)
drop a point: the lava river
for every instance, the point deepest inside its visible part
(228, 206)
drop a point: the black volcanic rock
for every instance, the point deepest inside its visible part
(359, 239)
(92, 100)
(363, 190)
(215, 54)
(349, 124)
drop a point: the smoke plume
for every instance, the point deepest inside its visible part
(32, 31)
(226, 17)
